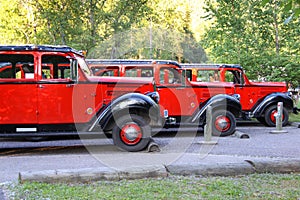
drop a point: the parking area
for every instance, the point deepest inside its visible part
(182, 147)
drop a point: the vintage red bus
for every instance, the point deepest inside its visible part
(258, 99)
(183, 103)
(49, 90)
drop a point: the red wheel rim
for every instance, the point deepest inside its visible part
(273, 116)
(222, 123)
(131, 134)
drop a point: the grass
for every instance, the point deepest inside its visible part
(255, 186)
(293, 117)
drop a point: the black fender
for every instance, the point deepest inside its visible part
(131, 102)
(273, 99)
(220, 101)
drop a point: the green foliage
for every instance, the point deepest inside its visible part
(151, 43)
(247, 33)
(288, 6)
(16, 22)
(104, 27)
(58, 22)
(262, 36)
(77, 23)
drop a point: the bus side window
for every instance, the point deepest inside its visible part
(6, 70)
(170, 76)
(229, 77)
(17, 66)
(147, 72)
(46, 72)
(131, 72)
(55, 67)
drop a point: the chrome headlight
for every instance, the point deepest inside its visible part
(237, 96)
(289, 93)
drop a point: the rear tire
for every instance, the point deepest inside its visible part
(131, 133)
(223, 123)
(270, 118)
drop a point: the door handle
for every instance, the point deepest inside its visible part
(41, 86)
(69, 85)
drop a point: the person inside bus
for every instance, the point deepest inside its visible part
(215, 77)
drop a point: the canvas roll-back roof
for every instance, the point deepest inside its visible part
(211, 66)
(31, 47)
(131, 62)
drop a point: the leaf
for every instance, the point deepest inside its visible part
(264, 2)
(297, 12)
(288, 6)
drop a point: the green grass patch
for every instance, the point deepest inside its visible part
(294, 117)
(255, 186)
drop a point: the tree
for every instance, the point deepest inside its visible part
(86, 24)
(59, 22)
(150, 29)
(291, 7)
(165, 44)
(16, 22)
(256, 37)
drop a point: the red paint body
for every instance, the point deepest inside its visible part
(177, 95)
(251, 93)
(44, 95)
